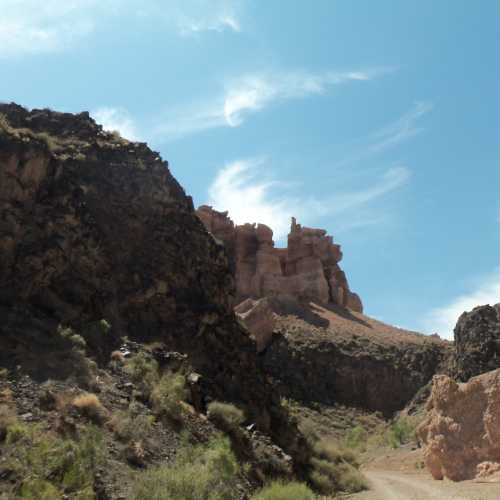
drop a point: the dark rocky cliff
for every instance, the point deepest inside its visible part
(330, 356)
(477, 342)
(93, 226)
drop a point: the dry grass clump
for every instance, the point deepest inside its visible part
(117, 357)
(285, 491)
(89, 406)
(226, 416)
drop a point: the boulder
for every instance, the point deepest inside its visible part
(461, 433)
(259, 319)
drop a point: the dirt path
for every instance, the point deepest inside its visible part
(392, 485)
(393, 475)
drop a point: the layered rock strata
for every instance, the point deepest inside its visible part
(308, 269)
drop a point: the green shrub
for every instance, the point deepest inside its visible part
(143, 371)
(356, 438)
(131, 427)
(349, 479)
(328, 450)
(225, 415)
(334, 468)
(285, 491)
(199, 473)
(39, 489)
(48, 463)
(401, 431)
(167, 394)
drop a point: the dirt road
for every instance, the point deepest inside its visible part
(393, 485)
(399, 475)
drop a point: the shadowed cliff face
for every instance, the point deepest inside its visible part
(331, 355)
(93, 226)
(477, 342)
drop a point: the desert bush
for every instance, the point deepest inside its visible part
(89, 406)
(225, 415)
(167, 394)
(334, 469)
(143, 371)
(285, 491)
(356, 438)
(131, 427)
(329, 450)
(308, 429)
(199, 473)
(49, 465)
(401, 431)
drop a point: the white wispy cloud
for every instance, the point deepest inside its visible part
(443, 319)
(197, 16)
(31, 26)
(34, 26)
(402, 129)
(248, 191)
(252, 93)
(117, 119)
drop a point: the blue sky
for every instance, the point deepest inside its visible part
(375, 120)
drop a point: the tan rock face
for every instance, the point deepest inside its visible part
(461, 433)
(306, 270)
(258, 317)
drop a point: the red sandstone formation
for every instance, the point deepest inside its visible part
(306, 270)
(461, 433)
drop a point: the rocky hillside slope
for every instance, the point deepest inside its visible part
(93, 226)
(331, 355)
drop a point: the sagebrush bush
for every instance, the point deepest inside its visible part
(225, 415)
(334, 469)
(50, 465)
(131, 427)
(401, 431)
(143, 371)
(285, 491)
(167, 395)
(199, 473)
(89, 406)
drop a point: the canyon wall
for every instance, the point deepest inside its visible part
(307, 270)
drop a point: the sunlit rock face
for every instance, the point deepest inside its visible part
(308, 269)
(461, 433)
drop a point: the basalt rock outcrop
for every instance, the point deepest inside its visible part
(477, 342)
(307, 270)
(461, 433)
(93, 226)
